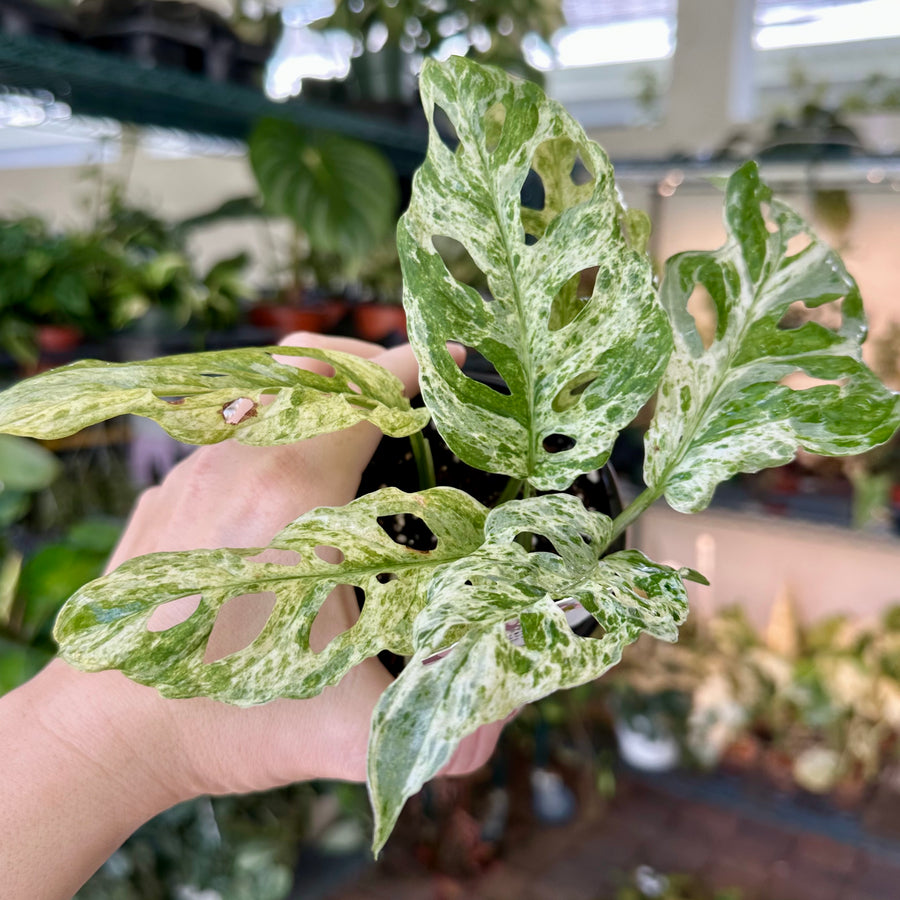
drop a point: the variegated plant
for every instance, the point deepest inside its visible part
(480, 618)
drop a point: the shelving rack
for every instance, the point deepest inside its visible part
(100, 84)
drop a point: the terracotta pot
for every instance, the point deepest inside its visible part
(778, 769)
(376, 321)
(742, 755)
(57, 338)
(284, 319)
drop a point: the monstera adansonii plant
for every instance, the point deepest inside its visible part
(480, 618)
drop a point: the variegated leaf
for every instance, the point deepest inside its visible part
(493, 636)
(104, 625)
(204, 398)
(577, 367)
(724, 409)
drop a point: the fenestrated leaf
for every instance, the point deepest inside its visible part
(203, 398)
(493, 636)
(578, 367)
(104, 625)
(724, 410)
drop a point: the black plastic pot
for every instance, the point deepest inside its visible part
(182, 36)
(393, 465)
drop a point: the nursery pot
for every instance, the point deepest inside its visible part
(377, 321)
(57, 338)
(283, 318)
(646, 745)
(393, 464)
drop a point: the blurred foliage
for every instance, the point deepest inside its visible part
(493, 30)
(339, 197)
(100, 280)
(825, 698)
(231, 848)
(34, 586)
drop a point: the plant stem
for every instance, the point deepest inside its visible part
(634, 509)
(421, 448)
(513, 486)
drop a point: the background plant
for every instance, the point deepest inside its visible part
(100, 279)
(337, 196)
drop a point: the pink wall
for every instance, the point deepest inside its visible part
(749, 558)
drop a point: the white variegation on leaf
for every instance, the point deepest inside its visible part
(104, 625)
(724, 409)
(578, 368)
(482, 619)
(468, 671)
(204, 398)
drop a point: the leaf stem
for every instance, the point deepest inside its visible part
(643, 501)
(513, 486)
(421, 448)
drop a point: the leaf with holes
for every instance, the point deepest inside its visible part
(105, 624)
(725, 409)
(579, 362)
(203, 398)
(493, 636)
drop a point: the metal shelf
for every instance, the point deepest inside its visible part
(100, 84)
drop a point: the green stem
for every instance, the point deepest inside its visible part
(634, 509)
(421, 449)
(513, 486)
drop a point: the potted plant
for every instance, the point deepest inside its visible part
(379, 315)
(338, 198)
(60, 288)
(480, 609)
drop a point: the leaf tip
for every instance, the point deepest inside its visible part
(688, 574)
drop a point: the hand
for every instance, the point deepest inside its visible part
(147, 752)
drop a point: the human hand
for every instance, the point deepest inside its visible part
(151, 752)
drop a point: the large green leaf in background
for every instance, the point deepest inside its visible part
(25, 466)
(203, 398)
(497, 616)
(104, 625)
(341, 193)
(577, 368)
(723, 410)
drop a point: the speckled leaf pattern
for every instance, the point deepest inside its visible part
(204, 398)
(493, 636)
(724, 410)
(104, 625)
(578, 367)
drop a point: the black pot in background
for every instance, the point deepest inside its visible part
(393, 465)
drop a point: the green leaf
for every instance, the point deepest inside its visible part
(493, 636)
(203, 398)
(578, 366)
(723, 409)
(341, 193)
(18, 663)
(10, 569)
(51, 576)
(104, 625)
(25, 466)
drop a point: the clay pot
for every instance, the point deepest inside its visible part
(284, 318)
(57, 338)
(377, 321)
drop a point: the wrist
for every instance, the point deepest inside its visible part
(114, 733)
